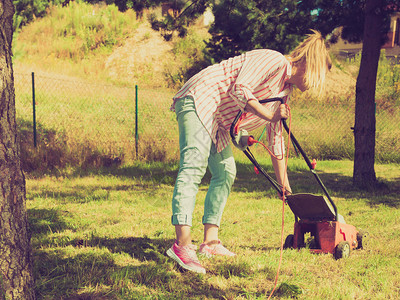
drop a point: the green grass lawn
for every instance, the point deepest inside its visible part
(103, 235)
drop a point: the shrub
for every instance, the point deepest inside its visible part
(76, 30)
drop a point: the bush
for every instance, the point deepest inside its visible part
(76, 30)
(28, 10)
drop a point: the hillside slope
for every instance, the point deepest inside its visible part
(138, 59)
(61, 45)
(142, 56)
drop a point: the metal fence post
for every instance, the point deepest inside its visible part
(136, 121)
(34, 109)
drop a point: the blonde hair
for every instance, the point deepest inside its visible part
(314, 53)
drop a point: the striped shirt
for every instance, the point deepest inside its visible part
(221, 90)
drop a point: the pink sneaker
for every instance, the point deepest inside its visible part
(215, 249)
(186, 257)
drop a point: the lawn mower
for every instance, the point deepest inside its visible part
(318, 225)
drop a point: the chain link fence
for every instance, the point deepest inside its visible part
(86, 124)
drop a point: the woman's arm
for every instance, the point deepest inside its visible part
(260, 111)
(282, 112)
(280, 173)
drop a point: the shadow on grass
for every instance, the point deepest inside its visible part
(111, 268)
(64, 273)
(73, 272)
(91, 268)
(88, 193)
(303, 181)
(43, 221)
(338, 185)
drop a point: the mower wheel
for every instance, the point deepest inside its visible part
(342, 250)
(289, 242)
(361, 239)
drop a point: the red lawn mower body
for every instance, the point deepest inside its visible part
(328, 231)
(327, 234)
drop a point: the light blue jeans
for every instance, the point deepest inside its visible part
(197, 151)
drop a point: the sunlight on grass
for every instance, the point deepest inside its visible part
(105, 235)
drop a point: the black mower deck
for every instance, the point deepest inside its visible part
(311, 207)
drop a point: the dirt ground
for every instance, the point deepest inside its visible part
(145, 52)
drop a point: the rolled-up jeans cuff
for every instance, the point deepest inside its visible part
(181, 220)
(214, 220)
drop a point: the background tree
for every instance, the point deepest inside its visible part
(366, 21)
(137, 5)
(376, 25)
(185, 14)
(27, 10)
(16, 280)
(243, 25)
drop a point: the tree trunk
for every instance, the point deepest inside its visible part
(16, 279)
(365, 123)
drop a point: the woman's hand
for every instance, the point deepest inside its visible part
(281, 113)
(256, 108)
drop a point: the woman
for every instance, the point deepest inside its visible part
(206, 107)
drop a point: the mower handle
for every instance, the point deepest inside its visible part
(294, 141)
(232, 129)
(272, 100)
(247, 151)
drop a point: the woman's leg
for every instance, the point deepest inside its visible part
(223, 170)
(194, 145)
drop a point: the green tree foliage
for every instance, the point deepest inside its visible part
(26, 10)
(185, 14)
(367, 21)
(242, 25)
(137, 5)
(350, 15)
